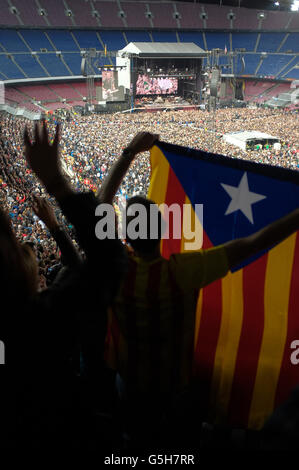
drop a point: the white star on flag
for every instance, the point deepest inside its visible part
(241, 198)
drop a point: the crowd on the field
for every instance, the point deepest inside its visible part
(90, 145)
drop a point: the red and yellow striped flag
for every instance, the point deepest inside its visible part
(246, 322)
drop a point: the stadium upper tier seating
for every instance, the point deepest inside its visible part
(26, 53)
(136, 14)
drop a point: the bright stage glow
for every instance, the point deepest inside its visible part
(156, 86)
(295, 5)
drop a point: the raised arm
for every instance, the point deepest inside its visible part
(241, 249)
(44, 160)
(142, 142)
(79, 208)
(105, 259)
(78, 303)
(45, 212)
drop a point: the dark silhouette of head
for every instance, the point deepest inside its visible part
(16, 273)
(151, 242)
(31, 264)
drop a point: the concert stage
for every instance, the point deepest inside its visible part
(154, 109)
(161, 70)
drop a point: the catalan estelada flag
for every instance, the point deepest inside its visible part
(245, 322)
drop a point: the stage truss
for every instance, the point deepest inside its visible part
(212, 73)
(210, 77)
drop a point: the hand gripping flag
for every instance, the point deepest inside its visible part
(247, 321)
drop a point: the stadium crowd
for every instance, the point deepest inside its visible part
(89, 147)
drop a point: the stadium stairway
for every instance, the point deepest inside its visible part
(293, 73)
(273, 64)
(284, 99)
(260, 91)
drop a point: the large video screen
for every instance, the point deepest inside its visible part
(110, 89)
(146, 85)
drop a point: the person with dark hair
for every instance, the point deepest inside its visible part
(31, 264)
(69, 254)
(146, 245)
(155, 307)
(41, 403)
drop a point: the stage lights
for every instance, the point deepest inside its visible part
(295, 5)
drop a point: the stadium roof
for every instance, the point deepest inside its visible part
(259, 4)
(164, 49)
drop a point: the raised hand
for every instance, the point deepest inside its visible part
(43, 158)
(42, 283)
(44, 211)
(142, 142)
